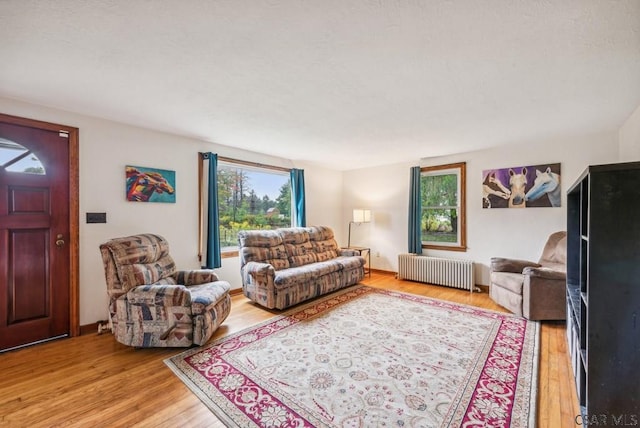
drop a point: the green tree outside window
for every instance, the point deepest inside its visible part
(241, 207)
(442, 196)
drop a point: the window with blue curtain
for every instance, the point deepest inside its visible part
(248, 196)
(437, 208)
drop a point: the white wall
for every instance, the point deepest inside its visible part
(106, 147)
(517, 233)
(629, 137)
(385, 191)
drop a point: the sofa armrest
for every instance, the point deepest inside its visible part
(500, 264)
(544, 294)
(195, 276)
(258, 283)
(348, 252)
(545, 273)
(261, 273)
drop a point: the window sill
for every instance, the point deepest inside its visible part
(229, 254)
(445, 247)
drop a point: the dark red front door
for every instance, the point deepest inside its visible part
(34, 235)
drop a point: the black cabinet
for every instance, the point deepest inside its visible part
(603, 292)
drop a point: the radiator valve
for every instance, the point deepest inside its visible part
(103, 326)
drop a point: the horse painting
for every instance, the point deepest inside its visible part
(546, 183)
(517, 182)
(493, 187)
(143, 184)
(530, 186)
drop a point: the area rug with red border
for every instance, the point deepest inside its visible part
(365, 357)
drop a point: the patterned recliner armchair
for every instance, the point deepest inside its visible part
(151, 304)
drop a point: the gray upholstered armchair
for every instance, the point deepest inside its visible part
(151, 303)
(536, 291)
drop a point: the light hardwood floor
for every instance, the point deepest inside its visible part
(92, 381)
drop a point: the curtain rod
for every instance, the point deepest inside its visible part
(254, 164)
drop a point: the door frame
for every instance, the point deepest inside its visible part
(74, 210)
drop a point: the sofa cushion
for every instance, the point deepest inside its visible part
(349, 263)
(262, 246)
(296, 243)
(141, 259)
(306, 273)
(294, 235)
(324, 245)
(259, 238)
(555, 250)
(320, 233)
(300, 254)
(510, 281)
(160, 295)
(150, 273)
(276, 256)
(327, 253)
(139, 249)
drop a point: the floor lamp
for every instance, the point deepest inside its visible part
(359, 216)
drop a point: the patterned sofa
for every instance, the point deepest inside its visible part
(283, 267)
(151, 304)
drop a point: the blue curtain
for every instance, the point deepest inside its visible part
(297, 191)
(415, 212)
(214, 260)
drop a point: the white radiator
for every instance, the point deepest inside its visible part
(435, 270)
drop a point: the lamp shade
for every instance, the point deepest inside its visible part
(361, 216)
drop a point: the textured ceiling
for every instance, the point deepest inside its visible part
(342, 83)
